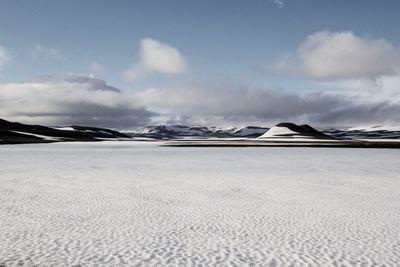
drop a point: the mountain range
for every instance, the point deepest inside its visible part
(14, 133)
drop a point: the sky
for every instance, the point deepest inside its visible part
(127, 64)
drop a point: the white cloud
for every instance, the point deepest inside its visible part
(70, 99)
(4, 57)
(156, 57)
(278, 3)
(40, 51)
(343, 55)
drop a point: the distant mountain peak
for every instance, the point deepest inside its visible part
(291, 130)
(179, 131)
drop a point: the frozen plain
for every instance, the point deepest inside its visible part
(138, 204)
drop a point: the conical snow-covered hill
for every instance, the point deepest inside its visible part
(287, 130)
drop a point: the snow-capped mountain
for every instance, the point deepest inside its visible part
(13, 132)
(368, 132)
(180, 131)
(288, 130)
(171, 130)
(293, 131)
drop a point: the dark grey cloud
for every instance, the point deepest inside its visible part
(376, 113)
(64, 99)
(219, 103)
(65, 78)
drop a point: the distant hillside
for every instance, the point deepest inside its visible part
(374, 132)
(15, 133)
(287, 130)
(182, 131)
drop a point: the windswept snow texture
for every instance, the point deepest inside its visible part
(138, 204)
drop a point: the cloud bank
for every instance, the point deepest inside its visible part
(233, 104)
(65, 99)
(156, 57)
(235, 101)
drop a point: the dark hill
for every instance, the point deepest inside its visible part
(14, 132)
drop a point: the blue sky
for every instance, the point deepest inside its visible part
(231, 41)
(217, 37)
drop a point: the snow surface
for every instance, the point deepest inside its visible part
(138, 204)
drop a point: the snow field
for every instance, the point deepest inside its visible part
(138, 204)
